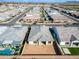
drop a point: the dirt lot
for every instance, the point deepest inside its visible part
(38, 49)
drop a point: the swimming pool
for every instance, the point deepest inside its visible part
(6, 51)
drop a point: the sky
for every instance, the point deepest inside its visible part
(49, 1)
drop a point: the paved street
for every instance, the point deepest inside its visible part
(69, 17)
(13, 21)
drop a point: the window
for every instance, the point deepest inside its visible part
(35, 42)
(67, 43)
(43, 42)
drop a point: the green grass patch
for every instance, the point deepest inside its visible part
(74, 51)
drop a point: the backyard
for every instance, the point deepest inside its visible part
(74, 51)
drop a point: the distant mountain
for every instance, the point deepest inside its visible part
(72, 2)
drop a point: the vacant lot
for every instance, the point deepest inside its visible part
(38, 49)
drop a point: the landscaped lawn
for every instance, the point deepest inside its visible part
(74, 51)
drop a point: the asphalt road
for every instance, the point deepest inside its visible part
(13, 20)
(70, 17)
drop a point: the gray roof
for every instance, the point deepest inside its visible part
(16, 42)
(14, 34)
(34, 31)
(66, 33)
(1, 42)
(40, 33)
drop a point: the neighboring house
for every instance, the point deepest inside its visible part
(66, 35)
(13, 36)
(40, 35)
